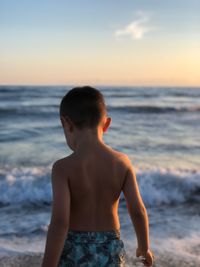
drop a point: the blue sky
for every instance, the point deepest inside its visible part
(107, 42)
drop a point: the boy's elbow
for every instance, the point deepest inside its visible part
(59, 224)
(138, 212)
(142, 211)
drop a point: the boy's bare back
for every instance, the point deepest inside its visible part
(95, 178)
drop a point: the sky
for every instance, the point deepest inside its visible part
(107, 42)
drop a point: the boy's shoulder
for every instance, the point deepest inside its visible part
(121, 157)
(62, 164)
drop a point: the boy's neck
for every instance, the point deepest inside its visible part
(88, 139)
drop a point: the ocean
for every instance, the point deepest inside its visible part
(158, 128)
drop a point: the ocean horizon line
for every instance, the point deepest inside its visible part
(102, 85)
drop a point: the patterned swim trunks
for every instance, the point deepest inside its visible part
(93, 249)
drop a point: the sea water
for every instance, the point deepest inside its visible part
(158, 128)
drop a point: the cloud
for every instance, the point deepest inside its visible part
(137, 28)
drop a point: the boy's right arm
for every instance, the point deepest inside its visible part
(137, 212)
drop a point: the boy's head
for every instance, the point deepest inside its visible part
(83, 108)
(83, 115)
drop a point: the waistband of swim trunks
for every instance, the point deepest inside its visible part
(92, 236)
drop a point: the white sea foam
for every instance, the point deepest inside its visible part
(25, 185)
(169, 186)
(158, 186)
(170, 252)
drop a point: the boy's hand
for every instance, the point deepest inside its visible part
(147, 258)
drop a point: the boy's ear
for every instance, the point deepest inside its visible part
(62, 119)
(66, 122)
(107, 124)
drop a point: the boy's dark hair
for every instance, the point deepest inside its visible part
(85, 106)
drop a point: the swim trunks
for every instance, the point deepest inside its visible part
(93, 249)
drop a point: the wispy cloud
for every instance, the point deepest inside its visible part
(137, 28)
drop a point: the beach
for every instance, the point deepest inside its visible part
(158, 128)
(162, 260)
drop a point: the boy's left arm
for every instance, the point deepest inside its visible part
(59, 219)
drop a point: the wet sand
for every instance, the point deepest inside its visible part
(35, 260)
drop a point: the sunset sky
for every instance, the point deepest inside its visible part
(111, 42)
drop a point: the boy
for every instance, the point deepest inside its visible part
(84, 228)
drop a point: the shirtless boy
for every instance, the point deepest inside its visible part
(85, 230)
